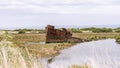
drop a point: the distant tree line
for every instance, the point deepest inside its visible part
(95, 30)
(117, 29)
(76, 30)
(73, 30)
(23, 31)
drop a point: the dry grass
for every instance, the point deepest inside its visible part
(46, 50)
(12, 57)
(80, 66)
(24, 38)
(98, 35)
(53, 48)
(15, 57)
(26, 56)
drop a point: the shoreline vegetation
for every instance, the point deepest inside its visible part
(12, 56)
(27, 53)
(52, 49)
(24, 37)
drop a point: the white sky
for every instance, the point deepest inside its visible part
(34, 13)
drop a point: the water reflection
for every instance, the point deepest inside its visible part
(98, 54)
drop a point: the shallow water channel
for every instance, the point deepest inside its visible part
(97, 54)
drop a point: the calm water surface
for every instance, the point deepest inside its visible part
(97, 54)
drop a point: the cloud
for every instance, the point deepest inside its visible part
(63, 6)
(43, 12)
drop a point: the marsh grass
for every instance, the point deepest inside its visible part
(24, 38)
(12, 57)
(117, 38)
(46, 50)
(95, 36)
(25, 56)
(15, 57)
(50, 49)
(80, 66)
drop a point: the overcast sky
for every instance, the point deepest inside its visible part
(35, 13)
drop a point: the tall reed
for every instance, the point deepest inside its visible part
(14, 57)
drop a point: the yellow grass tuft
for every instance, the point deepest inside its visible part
(12, 57)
